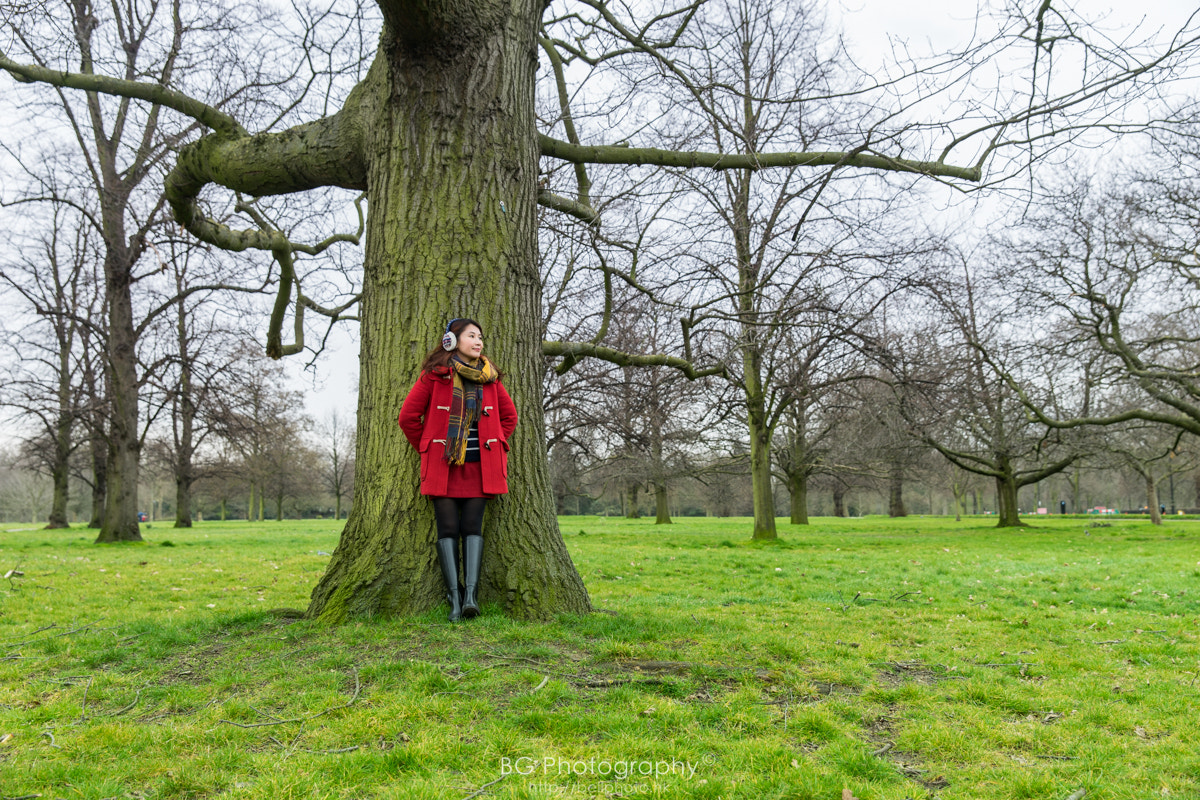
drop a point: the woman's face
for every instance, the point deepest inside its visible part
(470, 343)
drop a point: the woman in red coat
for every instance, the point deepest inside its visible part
(459, 417)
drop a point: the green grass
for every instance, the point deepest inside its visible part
(895, 658)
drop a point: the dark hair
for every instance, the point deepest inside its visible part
(438, 357)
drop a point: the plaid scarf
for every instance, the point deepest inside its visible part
(465, 404)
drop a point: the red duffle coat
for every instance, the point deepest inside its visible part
(425, 419)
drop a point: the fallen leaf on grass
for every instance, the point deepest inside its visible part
(848, 795)
(5, 738)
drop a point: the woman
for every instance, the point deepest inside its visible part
(459, 417)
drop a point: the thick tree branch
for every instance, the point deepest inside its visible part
(576, 350)
(150, 92)
(325, 152)
(1028, 477)
(583, 183)
(568, 206)
(652, 156)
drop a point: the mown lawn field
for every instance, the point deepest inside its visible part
(891, 659)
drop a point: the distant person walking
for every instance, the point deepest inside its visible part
(459, 417)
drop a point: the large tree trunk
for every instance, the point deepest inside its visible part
(99, 453)
(1152, 499)
(633, 510)
(798, 486)
(185, 447)
(120, 522)
(662, 510)
(452, 177)
(60, 470)
(760, 466)
(183, 497)
(896, 492)
(662, 506)
(839, 502)
(1006, 501)
(97, 446)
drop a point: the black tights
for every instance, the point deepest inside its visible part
(459, 516)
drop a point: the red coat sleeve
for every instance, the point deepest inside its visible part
(508, 411)
(413, 411)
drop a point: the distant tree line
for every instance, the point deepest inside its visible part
(258, 455)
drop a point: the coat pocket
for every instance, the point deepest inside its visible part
(428, 453)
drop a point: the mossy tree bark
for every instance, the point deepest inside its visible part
(99, 458)
(760, 453)
(660, 473)
(60, 474)
(960, 499)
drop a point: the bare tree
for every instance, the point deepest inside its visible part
(1121, 283)
(826, 354)
(1154, 452)
(262, 423)
(55, 280)
(24, 494)
(959, 403)
(119, 148)
(336, 442)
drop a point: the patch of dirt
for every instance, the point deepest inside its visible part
(880, 733)
(822, 689)
(880, 729)
(908, 764)
(192, 666)
(657, 667)
(895, 673)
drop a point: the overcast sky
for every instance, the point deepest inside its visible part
(868, 23)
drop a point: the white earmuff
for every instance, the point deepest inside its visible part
(449, 340)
